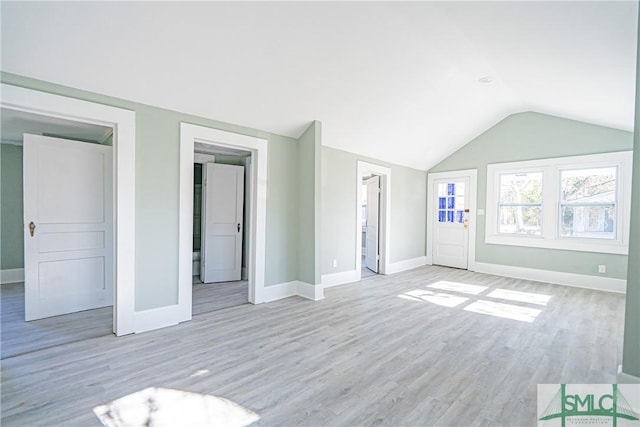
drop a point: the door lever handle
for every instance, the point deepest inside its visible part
(238, 227)
(32, 228)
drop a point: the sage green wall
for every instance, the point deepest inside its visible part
(157, 163)
(529, 136)
(631, 347)
(338, 226)
(11, 231)
(308, 238)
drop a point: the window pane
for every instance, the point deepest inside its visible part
(526, 220)
(449, 216)
(442, 216)
(442, 190)
(597, 185)
(594, 222)
(521, 188)
(451, 202)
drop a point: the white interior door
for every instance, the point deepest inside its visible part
(222, 202)
(373, 220)
(451, 222)
(68, 244)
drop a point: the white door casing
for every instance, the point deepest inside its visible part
(451, 218)
(123, 123)
(68, 226)
(222, 222)
(372, 226)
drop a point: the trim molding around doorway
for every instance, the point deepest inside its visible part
(123, 123)
(189, 135)
(472, 174)
(364, 168)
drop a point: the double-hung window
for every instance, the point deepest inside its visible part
(520, 204)
(588, 202)
(574, 203)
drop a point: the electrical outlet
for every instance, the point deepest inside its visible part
(335, 263)
(602, 268)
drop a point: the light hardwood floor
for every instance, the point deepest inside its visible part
(20, 337)
(362, 356)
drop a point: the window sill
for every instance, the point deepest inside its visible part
(581, 245)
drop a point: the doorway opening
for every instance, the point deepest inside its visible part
(370, 225)
(123, 123)
(373, 211)
(255, 224)
(221, 208)
(58, 217)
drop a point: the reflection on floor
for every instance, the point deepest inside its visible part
(20, 337)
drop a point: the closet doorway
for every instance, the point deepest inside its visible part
(221, 210)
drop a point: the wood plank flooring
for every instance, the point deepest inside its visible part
(20, 337)
(362, 356)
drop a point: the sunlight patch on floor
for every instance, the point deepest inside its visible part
(160, 407)
(529, 297)
(506, 311)
(464, 288)
(439, 298)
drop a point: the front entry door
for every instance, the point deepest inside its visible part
(222, 216)
(68, 244)
(451, 222)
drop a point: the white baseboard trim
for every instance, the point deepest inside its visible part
(280, 291)
(156, 318)
(624, 378)
(293, 288)
(12, 275)
(408, 264)
(309, 291)
(335, 279)
(569, 279)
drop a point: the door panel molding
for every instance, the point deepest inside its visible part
(472, 175)
(68, 197)
(222, 212)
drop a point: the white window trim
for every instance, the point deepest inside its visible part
(550, 237)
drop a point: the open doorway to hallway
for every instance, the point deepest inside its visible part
(370, 225)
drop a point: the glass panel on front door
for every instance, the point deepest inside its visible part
(451, 202)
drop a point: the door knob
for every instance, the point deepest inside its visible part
(32, 228)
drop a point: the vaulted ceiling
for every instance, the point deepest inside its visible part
(402, 82)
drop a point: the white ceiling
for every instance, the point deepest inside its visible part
(394, 81)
